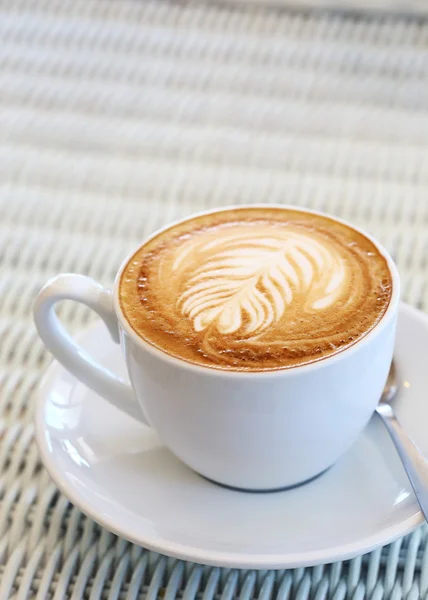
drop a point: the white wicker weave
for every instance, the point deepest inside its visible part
(116, 117)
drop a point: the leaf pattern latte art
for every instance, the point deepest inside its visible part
(255, 288)
(244, 282)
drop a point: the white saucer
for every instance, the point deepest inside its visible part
(117, 472)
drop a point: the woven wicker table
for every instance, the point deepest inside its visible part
(117, 117)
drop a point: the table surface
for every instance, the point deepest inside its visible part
(117, 117)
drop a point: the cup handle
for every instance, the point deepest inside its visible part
(69, 286)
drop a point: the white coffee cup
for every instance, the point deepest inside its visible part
(250, 430)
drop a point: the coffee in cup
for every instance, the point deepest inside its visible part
(255, 289)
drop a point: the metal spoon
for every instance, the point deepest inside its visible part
(412, 458)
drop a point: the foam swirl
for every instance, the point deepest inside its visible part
(247, 281)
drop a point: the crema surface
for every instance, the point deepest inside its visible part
(255, 289)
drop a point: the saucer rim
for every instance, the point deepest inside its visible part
(190, 553)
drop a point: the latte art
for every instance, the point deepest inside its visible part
(247, 281)
(255, 289)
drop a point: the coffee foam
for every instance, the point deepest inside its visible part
(255, 289)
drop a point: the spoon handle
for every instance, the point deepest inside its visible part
(414, 463)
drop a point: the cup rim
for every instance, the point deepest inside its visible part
(280, 371)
